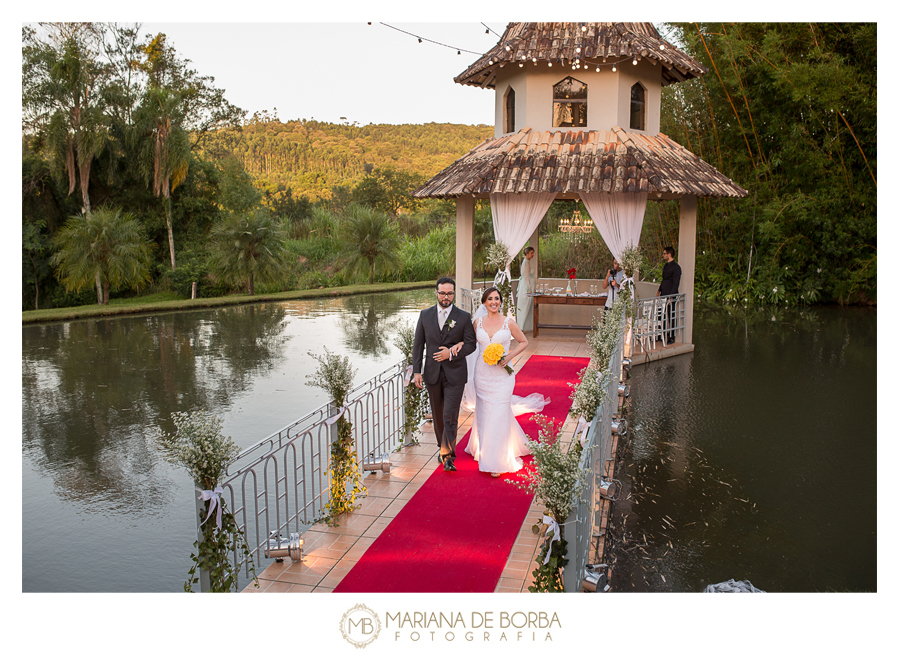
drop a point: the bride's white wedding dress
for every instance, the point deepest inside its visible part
(497, 440)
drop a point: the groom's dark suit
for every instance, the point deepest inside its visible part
(445, 380)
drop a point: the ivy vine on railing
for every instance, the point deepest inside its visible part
(415, 399)
(335, 376)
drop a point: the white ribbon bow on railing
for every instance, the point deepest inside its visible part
(333, 419)
(584, 433)
(407, 376)
(582, 423)
(216, 497)
(502, 275)
(631, 287)
(553, 528)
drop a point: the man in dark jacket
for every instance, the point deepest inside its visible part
(446, 336)
(671, 277)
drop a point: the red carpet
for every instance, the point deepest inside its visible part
(457, 531)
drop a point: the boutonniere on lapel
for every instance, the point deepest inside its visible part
(449, 324)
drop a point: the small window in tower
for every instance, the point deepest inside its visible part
(509, 111)
(637, 106)
(569, 104)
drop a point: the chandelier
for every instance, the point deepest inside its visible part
(576, 227)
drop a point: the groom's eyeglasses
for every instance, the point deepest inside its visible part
(446, 294)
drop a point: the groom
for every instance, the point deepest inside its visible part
(440, 331)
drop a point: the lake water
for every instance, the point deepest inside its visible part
(101, 510)
(752, 458)
(755, 457)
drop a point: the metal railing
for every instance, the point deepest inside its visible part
(596, 451)
(656, 319)
(281, 484)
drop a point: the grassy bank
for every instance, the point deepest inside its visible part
(169, 302)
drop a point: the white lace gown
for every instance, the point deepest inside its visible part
(497, 440)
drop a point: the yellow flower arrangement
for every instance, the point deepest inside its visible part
(492, 355)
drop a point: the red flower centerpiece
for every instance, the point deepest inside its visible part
(570, 291)
(571, 273)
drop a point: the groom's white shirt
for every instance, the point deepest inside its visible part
(443, 314)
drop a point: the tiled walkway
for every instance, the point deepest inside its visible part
(329, 553)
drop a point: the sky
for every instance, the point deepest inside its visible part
(365, 73)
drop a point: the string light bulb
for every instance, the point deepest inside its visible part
(614, 68)
(634, 61)
(507, 48)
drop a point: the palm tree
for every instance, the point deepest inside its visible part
(248, 248)
(371, 241)
(164, 149)
(65, 79)
(106, 245)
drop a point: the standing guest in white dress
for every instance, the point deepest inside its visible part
(497, 440)
(527, 285)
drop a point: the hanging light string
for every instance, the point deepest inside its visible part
(488, 30)
(576, 64)
(459, 51)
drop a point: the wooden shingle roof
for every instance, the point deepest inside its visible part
(569, 162)
(563, 43)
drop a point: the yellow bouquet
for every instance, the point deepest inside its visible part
(492, 355)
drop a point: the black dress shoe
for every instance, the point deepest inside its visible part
(448, 465)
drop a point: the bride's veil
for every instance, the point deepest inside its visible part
(468, 400)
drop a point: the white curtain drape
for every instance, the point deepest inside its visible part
(618, 217)
(516, 216)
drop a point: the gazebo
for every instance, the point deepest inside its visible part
(563, 93)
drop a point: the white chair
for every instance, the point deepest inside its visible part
(644, 327)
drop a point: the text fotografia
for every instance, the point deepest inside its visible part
(479, 626)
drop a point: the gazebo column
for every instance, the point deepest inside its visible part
(686, 257)
(465, 240)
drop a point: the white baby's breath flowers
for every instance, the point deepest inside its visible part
(590, 393)
(497, 256)
(334, 375)
(199, 445)
(555, 475)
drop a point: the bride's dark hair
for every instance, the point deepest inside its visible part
(488, 292)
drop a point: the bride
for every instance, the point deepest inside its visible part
(497, 440)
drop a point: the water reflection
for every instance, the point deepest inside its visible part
(92, 391)
(742, 456)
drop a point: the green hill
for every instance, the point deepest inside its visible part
(312, 157)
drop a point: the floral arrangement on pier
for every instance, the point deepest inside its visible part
(590, 392)
(631, 261)
(498, 257)
(335, 376)
(604, 336)
(415, 399)
(199, 446)
(554, 477)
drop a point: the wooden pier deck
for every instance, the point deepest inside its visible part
(330, 552)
